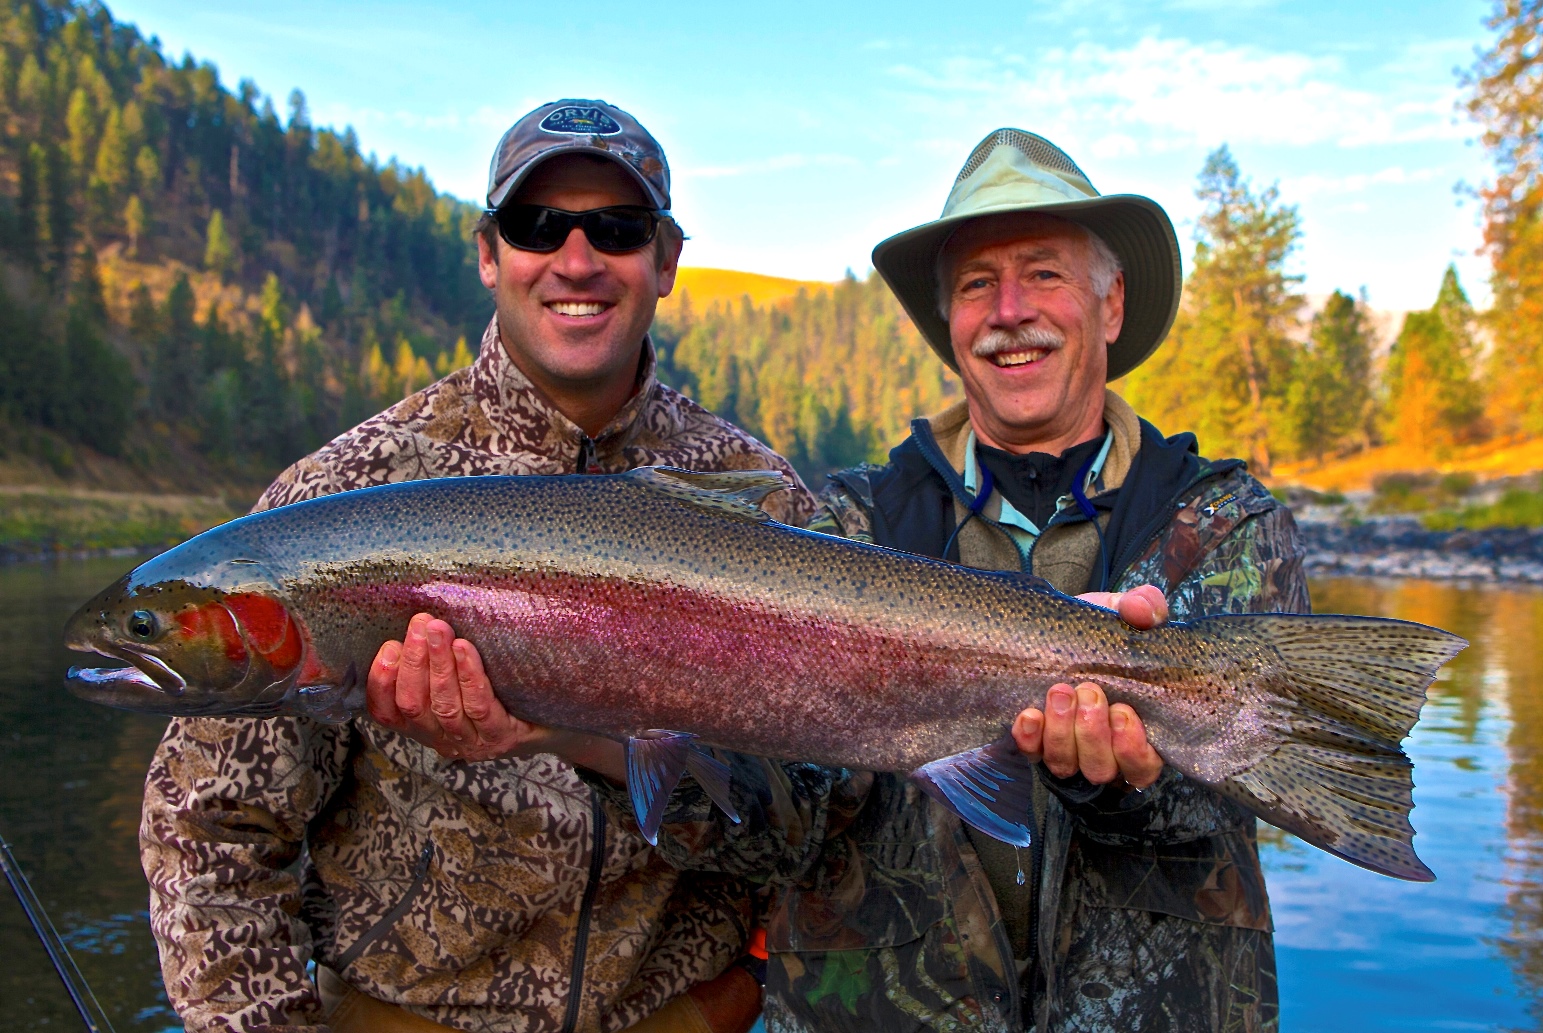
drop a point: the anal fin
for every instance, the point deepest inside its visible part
(989, 788)
(656, 760)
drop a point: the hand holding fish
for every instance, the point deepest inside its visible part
(1079, 731)
(432, 688)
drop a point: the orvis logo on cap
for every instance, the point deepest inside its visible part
(575, 121)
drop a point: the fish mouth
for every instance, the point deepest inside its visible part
(147, 684)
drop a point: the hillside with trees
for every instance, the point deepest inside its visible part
(205, 288)
(830, 377)
(189, 280)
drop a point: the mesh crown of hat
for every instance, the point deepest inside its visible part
(1036, 148)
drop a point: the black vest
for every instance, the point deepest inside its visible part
(912, 498)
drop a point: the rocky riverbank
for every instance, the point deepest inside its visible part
(1403, 547)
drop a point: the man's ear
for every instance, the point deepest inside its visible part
(487, 262)
(1114, 308)
(669, 264)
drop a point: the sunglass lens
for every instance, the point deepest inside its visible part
(533, 228)
(619, 229)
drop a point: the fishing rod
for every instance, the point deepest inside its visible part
(69, 973)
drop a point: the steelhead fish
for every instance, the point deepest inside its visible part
(664, 609)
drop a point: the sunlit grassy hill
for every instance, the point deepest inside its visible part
(706, 286)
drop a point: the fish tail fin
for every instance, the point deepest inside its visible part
(1353, 687)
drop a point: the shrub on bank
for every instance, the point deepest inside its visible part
(1515, 508)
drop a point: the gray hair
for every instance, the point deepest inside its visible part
(1103, 266)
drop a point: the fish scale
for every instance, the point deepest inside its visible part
(664, 609)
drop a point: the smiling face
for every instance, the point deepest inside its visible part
(1030, 332)
(573, 319)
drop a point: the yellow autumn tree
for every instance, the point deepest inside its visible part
(1507, 101)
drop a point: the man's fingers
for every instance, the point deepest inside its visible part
(380, 686)
(1138, 762)
(412, 671)
(1142, 608)
(1095, 747)
(477, 699)
(1029, 733)
(444, 682)
(1060, 735)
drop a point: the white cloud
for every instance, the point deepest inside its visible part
(1296, 187)
(449, 121)
(1174, 93)
(777, 163)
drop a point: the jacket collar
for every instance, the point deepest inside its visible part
(523, 415)
(944, 441)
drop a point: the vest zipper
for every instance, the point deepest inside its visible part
(376, 931)
(587, 905)
(1161, 520)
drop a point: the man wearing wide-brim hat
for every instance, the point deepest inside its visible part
(1141, 904)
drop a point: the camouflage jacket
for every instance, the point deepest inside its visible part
(1151, 907)
(486, 896)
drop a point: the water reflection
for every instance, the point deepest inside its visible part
(1516, 624)
(1357, 951)
(71, 776)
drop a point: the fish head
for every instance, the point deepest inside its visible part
(199, 638)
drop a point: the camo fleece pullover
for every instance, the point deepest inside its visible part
(1151, 913)
(485, 896)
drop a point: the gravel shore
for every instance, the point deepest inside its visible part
(1402, 547)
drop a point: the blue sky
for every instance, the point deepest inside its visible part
(800, 134)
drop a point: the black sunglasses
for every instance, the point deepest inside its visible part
(534, 227)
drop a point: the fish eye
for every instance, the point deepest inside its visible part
(143, 625)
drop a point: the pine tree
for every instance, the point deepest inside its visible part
(81, 124)
(98, 383)
(1329, 402)
(219, 252)
(1433, 399)
(1226, 369)
(1507, 101)
(134, 222)
(175, 365)
(103, 138)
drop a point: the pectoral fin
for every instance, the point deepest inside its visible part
(989, 788)
(655, 762)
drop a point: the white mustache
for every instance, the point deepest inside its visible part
(1023, 338)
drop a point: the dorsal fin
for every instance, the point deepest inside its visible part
(735, 493)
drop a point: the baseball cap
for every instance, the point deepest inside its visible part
(578, 127)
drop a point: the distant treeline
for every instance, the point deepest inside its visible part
(1253, 376)
(181, 263)
(184, 272)
(828, 378)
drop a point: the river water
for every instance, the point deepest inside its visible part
(1358, 952)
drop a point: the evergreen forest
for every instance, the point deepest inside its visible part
(201, 285)
(187, 276)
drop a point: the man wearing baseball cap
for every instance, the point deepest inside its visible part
(467, 892)
(1140, 904)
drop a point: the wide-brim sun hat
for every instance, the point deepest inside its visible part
(1014, 171)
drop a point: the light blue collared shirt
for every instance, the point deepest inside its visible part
(1023, 531)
